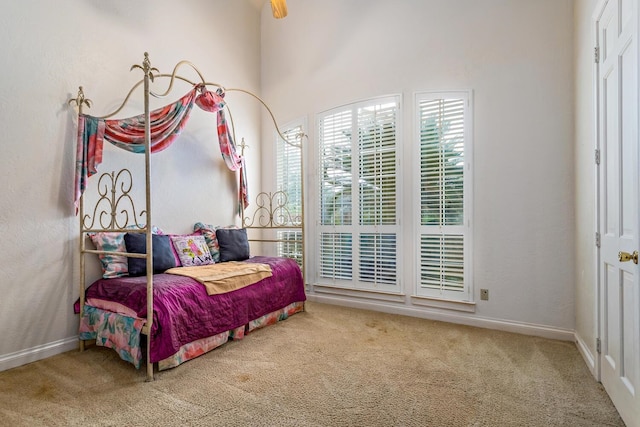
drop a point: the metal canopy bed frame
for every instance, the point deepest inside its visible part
(108, 215)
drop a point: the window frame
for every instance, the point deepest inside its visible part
(356, 229)
(465, 229)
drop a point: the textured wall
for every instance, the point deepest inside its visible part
(50, 48)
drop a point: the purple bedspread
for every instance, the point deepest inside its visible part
(183, 312)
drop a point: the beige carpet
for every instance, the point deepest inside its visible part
(328, 366)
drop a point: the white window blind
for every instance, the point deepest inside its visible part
(377, 164)
(442, 262)
(290, 245)
(444, 194)
(336, 256)
(335, 164)
(289, 183)
(289, 169)
(378, 258)
(358, 207)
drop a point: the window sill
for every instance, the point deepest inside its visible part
(361, 293)
(466, 306)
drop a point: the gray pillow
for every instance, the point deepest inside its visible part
(163, 258)
(234, 244)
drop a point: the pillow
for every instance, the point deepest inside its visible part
(234, 244)
(209, 233)
(162, 254)
(192, 250)
(113, 265)
(173, 248)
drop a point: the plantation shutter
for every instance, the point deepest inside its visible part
(336, 256)
(335, 164)
(377, 164)
(377, 191)
(358, 224)
(442, 244)
(442, 262)
(289, 183)
(378, 258)
(289, 169)
(335, 196)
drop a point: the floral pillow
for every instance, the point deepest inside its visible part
(209, 233)
(113, 265)
(192, 250)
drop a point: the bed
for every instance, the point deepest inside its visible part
(188, 293)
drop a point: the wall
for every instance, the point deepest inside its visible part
(517, 57)
(585, 182)
(50, 48)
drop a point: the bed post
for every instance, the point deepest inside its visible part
(82, 267)
(148, 75)
(80, 100)
(147, 163)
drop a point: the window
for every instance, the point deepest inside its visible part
(289, 191)
(358, 204)
(444, 195)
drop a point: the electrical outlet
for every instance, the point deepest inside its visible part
(484, 294)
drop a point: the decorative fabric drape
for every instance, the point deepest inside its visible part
(166, 124)
(214, 102)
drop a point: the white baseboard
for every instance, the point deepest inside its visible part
(453, 317)
(29, 355)
(19, 358)
(587, 355)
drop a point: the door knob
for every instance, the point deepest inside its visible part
(626, 256)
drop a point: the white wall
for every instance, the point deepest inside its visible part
(48, 49)
(517, 57)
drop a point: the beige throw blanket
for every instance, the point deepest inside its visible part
(225, 276)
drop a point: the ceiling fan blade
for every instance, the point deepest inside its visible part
(279, 8)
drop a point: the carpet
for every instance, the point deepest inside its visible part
(327, 366)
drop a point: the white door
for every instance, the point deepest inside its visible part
(619, 297)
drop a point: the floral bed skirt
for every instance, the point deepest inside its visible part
(123, 334)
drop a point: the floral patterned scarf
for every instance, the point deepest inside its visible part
(166, 125)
